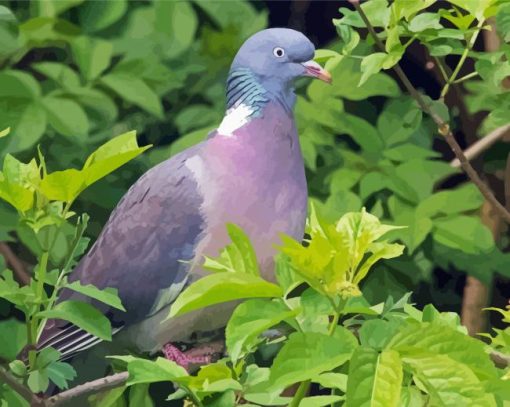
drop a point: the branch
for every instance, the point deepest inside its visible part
(17, 266)
(21, 389)
(483, 144)
(89, 388)
(443, 127)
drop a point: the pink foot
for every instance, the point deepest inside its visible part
(184, 359)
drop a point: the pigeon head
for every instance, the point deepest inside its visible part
(268, 63)
(279, 53)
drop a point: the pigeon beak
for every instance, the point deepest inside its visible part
(314, 70)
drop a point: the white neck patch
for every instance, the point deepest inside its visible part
(235, 118)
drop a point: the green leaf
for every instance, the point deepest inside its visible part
(38, 381)
(425, 21)
(83, 315)
(13, 337)
(222, 287)
(61, 373)
(139, 396)
(176, 22)
(408, 8)
(98, 15)
(332, 381)
(375, 379)
(447, 381)
(249, 320)
(110, 156)
(371, 65)
(475, 7)
(400, 118)
(60, 73)
(63, 185)
(408, 151)
(67, 117)
(503, 21)
(28, 127)
(464, 198)
(436, 338)
(148, 371)
(134, 90)
(239, 256)
(466, 233)
(307, 354)
(107, 296)
(92, 56)
(19, 84)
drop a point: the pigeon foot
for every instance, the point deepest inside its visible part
(202, 354)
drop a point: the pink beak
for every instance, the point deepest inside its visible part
(314, 70)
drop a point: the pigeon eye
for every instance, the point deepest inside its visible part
(279, 52)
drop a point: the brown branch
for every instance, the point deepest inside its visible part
(443, 127)
(483, 144)
(21, 389)
(17, 266)
(89, 388)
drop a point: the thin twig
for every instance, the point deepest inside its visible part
(20, 388)
(89, 388)
(17, 266)
(443, 127)
(483, 144)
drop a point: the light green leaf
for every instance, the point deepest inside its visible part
(249, 320)
(61, 373)
(475, 7)
(408, 151)
(38, 381)
(407, 8)
(379, 250)
(83, 315)
(320, 401)
(134, 90)
(160, 370)
(375, 379)
(307, 354)
(5, 132)
(222, 287)
(21, 198)
(238, 256)
(139, 396)
(91, 55)
(63, 185)
(107, 296)
(110, 156)
(332, 381)
(371, 65)
(67, 117)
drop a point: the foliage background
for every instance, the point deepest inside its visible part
(74, 74)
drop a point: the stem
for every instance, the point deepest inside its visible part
(462, 59)
(443, 127)
(441, 69)
(300, 393)
(334, 323)
(466, 77)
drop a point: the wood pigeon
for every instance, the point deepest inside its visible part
(249, 171)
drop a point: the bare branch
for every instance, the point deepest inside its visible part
(483, 144)
(443, 127)
(20, 388)
(17, 266)
(89, 388)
